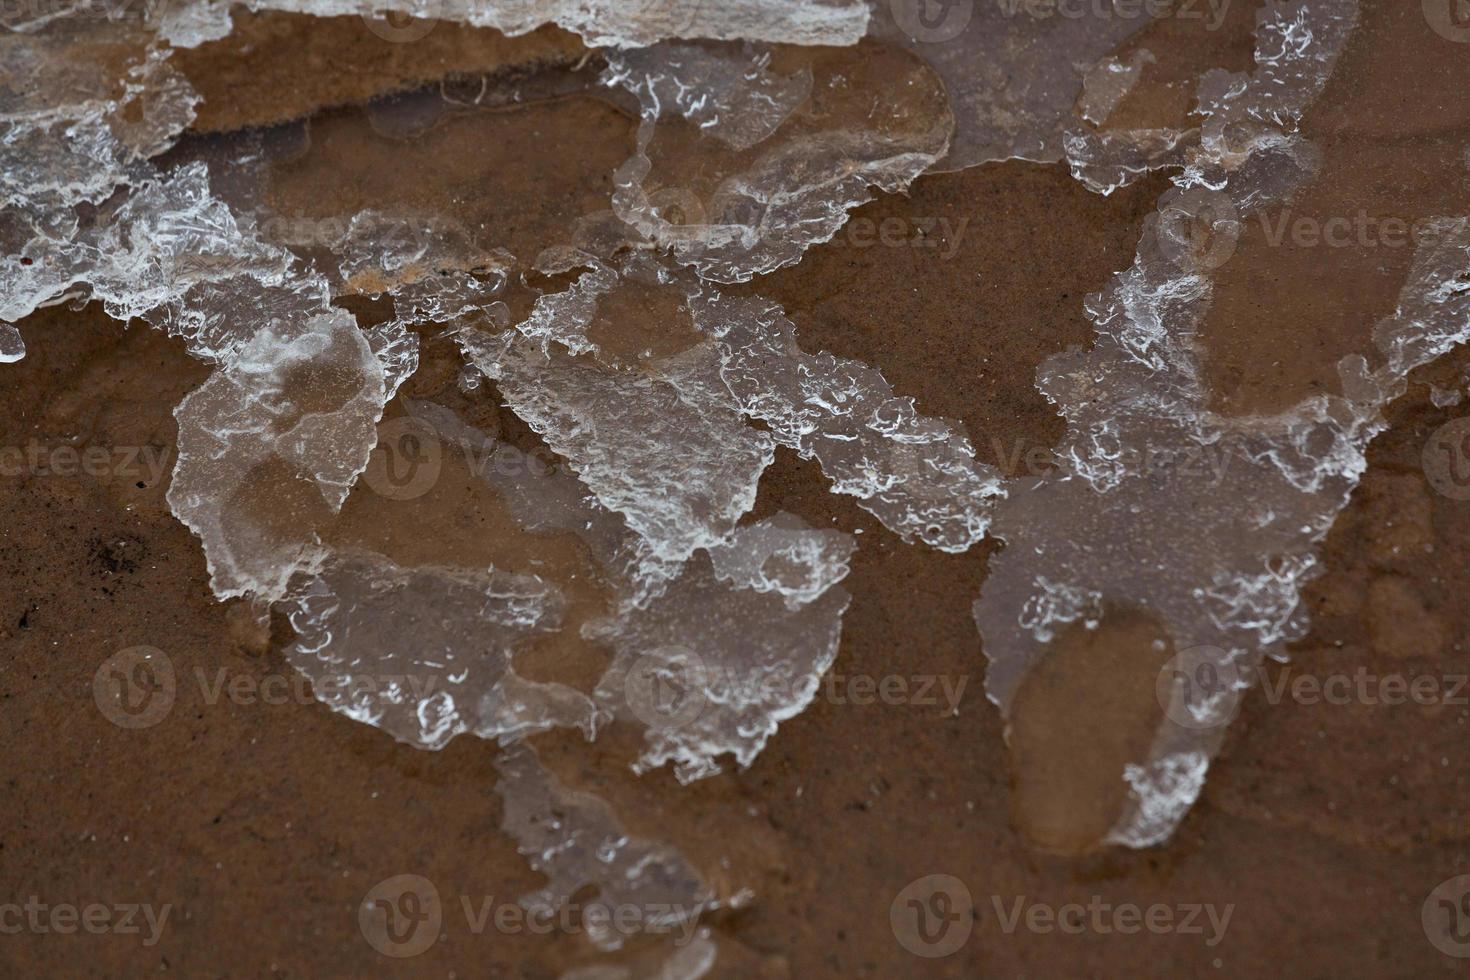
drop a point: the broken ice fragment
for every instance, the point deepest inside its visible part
(689, 666)
(765, 159)
(175, 256)
(1218, 553)
(917, 475)
(12, 345)
(269, 447)
(780, 554)
(666, 447)
(575, 840)
(425, 653)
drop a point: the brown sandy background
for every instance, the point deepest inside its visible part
(265, 825)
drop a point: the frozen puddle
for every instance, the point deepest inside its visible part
(629, 586)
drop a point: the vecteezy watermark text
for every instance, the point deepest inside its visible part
(404, 916)
(65, 918)
(1199, 687)
(1359, 230)
(38, 459)
(934, 916)
(136, 687)
(1212, 12)
(670, 687)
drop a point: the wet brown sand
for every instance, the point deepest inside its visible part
(265, 824)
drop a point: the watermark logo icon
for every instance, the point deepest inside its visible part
(1446, 459)
(1446, 917)
(135, 688)
(682, 211)
(932, 21)
(399, 27)
(666, 688)
(673, 17)
(933, 916)
(1450, 19)
(407, 461)
(1197, 688)
(401, 916)
(1199, 228)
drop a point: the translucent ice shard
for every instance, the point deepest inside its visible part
(689, 666)
(1013, 69)
(269, 447)
(69, 131)
(666, 446)
(780, 554)
(564, 318)
(1108, 82)
(1106, 161)
(600, 24)
(12, 345)
(576, 841)
(173, 255)
(425, 653)
(732, 96)
(1218, 553)
(917, 475)
(746, 157)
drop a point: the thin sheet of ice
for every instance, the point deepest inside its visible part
(1130, 520)
(577, 842)
(1108, 82)
(425, 653)
(12, 344)
(1013, 69)
(269, 447)
(602, 24)
(666, 447)
(779, 180)
(917, 475)
(173, 255)
(692, 666)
